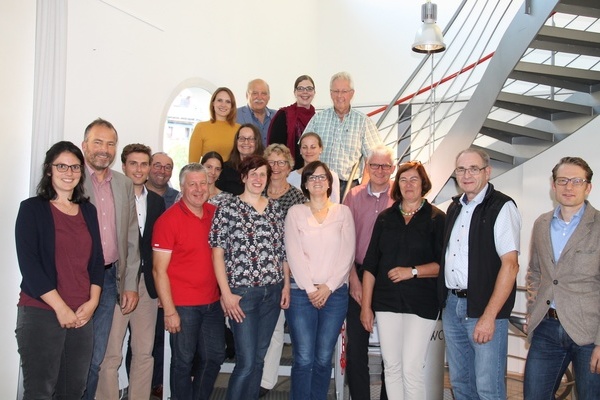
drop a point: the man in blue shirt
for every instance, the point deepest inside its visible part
(563, 288)
(256, 111)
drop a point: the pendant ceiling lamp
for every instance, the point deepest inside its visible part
(429, 38)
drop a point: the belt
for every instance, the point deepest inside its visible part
(552, 314)
(460, 293)
(108, 266)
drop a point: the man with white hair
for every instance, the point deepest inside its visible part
(365, 202)
(346, 133)
(256, 111)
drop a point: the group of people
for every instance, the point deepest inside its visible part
(259, 236)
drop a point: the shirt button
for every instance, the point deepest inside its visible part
(555, 282)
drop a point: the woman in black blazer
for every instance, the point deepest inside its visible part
(60, 256)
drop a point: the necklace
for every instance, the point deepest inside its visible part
(279, 192)
(408, 214)
(318, 210)
(65, 208)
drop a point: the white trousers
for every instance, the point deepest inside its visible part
(404, 340)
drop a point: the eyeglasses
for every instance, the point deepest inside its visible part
(159, 166)
(75, 168)
(472, 170)
(279, 163)
(413, 180)
(305, 88)
(242, 139)
(344, 92)
(384, 167)
(574, 181)
(317, 178)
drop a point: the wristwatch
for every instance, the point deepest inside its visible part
(414, 272)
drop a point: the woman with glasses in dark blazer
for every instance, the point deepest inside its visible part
(60, 256)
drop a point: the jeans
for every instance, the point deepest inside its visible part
(252, 336)
(549, 356)
(314, 334)
(102, 324)
(202, 333)
(476, 370)
(55, 360)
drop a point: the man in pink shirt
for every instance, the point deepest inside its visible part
(112, 194)
(366, 202)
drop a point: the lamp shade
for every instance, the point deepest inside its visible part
(429, 38)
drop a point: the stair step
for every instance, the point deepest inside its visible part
(496, 155)
(541, 108)
(581, 80)
(506, 132)
(579, 7)
(567, 41)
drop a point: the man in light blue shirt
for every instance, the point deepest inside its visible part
(256, 111)
(563, 288)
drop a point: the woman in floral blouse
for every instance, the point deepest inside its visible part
(249, 261)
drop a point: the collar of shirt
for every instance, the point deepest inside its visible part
(576, 217)
(371, 193)
(477, 200)
(94, 177)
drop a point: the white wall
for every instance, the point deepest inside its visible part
(126, 58)
(17, 38)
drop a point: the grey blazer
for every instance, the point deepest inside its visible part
(128, 232)
(573, 282)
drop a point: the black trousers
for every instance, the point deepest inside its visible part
(357, 357)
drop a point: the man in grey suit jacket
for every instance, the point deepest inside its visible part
(112, 194)
(563, 288)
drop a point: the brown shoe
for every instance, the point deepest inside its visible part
(157, 392)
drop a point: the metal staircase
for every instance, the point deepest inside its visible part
(541, 85)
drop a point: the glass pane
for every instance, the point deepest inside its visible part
(189, 107)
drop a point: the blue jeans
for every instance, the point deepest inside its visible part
(202, 333)
(252, 336)
(55, 360)
(102, 324)
(476, 370)
(549, 356)
(314, 333)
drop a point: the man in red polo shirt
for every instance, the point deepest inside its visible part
(187, 287)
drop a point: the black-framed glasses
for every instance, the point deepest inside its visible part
(383, 167)
(472, 170)
(75, 168)
(574, 181)
(279, 163)
(159, 166)
(317, 178)
(242, 139)
(305, 88)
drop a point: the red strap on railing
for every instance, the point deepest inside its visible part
(427, 88)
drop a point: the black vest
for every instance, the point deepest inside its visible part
(484, 261)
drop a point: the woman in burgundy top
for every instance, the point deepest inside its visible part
(60, 257)
(289, 122)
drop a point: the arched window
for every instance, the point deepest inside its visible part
(189, 105)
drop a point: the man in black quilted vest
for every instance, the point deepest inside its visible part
(477, 281)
